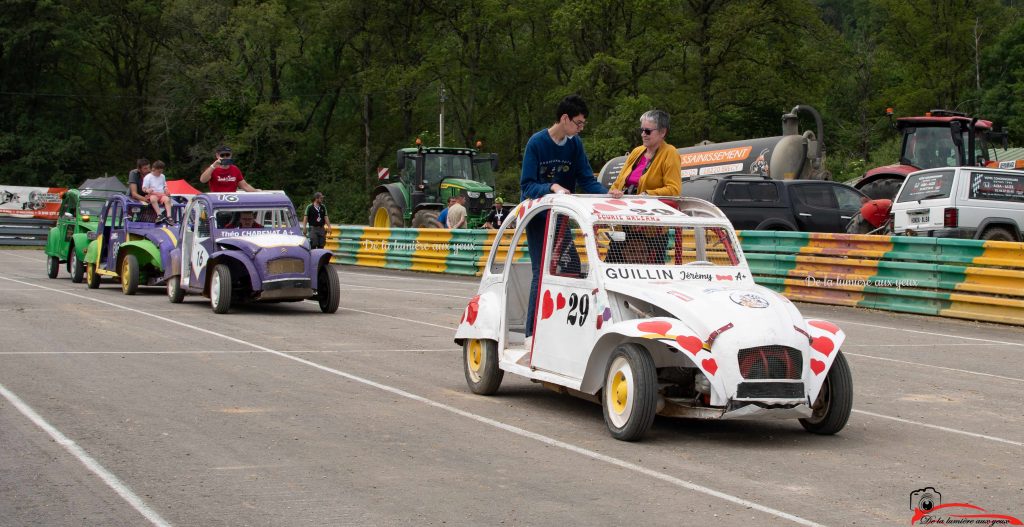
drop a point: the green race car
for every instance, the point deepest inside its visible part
(67, 241)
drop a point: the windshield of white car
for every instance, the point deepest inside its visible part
(665, 245)
(249, 219)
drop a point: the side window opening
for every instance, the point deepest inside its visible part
(568, 249)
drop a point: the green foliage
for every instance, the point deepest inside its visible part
(315, 95)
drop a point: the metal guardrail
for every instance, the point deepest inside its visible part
(970, 279)
(24, 231)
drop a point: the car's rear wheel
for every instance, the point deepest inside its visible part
(220, 289)
(835, 400)
(998, 234)
(480, 363)
(92, 278)
(328, 289)
(52, 266)
(630, 394)
(129, 274)
(174, 291)
(75, 266)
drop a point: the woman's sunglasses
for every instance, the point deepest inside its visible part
(647, 131)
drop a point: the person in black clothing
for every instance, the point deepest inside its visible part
(496, 216)
(135, 178)
(319, 224)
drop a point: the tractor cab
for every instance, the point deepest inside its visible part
(943, 139)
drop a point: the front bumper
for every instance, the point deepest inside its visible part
(958, 232)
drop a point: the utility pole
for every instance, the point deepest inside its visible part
(443, 97)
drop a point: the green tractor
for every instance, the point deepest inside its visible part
(427, 177)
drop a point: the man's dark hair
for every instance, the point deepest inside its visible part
(141, 162)
(572, 106)
(158, 164)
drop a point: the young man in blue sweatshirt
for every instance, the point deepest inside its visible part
(554, 163)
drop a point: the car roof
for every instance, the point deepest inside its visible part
(1007, 171)
(271, 198)
(599, 208)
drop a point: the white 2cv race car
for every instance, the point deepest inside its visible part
(649, 306)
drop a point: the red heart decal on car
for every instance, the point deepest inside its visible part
(657, 326)
(709, 366)
(473, 310)
(690, 343)
(618, 202)
(547, 306)
(605, 208)
(823, 345)
(826, 325)
(639, 201)
(817, 366)
(560, 301)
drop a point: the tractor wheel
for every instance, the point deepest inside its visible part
(480, 363)
(426, 219)
(220, 289)
(385, 212)
(129, 274)
(998, 234)
(52, 266)
(858, 225)
(835, 400)
(882, 188)
(630, 394)
(75, 266)
(174, 291)
(92, 278)
(328, 289)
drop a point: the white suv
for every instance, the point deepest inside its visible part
(961, 202)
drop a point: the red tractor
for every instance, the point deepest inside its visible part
(941, 138)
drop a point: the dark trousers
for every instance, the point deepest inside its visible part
(317, 237)
(535, 244)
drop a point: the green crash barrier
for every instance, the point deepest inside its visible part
(970, 279)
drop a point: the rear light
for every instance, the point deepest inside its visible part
(950, 217)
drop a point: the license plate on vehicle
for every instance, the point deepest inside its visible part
(919, 219)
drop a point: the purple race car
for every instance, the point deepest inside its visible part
(247, 246)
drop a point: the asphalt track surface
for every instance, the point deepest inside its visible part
(118, 410)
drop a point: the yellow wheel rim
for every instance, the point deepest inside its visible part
(381, 218)
(620, 393)
(124, 274)
(476, 355)
(89, 272)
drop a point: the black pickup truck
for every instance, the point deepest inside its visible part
(753, 202)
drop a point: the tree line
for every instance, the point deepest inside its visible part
(316, 94)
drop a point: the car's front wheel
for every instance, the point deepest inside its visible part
(174, 291)
(129, 274)
(630, 394)
(480, 362)
(220, 289)
(75, 266)
(835, 400)
(328, 289)
(52, 266)
(92, 278)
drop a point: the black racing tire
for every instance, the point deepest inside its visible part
(75, 266)
(92, 278)
(629, 397)
(480, 364)
(998, 234)
(220, 289)
(174, 291)
(835, 400)
(328, 296)
(52, 266)
(386, 212)
(882, 188)
(129, 274)
(427, 219)
(773, 226)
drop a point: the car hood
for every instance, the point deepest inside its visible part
(255, 243)
(706, 307)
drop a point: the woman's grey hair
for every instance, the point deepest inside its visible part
(658, 117)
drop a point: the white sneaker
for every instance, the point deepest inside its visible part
(528, 343)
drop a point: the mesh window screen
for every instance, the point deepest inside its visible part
(655, 245)
(568, 249)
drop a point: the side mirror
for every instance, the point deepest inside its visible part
(617, 236)
(400, 161)
(494, 162)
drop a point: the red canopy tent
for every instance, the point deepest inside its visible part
(180, 186)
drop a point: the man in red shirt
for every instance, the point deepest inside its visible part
(223, 175)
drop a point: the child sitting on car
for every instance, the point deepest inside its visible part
(155, 186)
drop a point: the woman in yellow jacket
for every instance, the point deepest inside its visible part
(653, 167)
